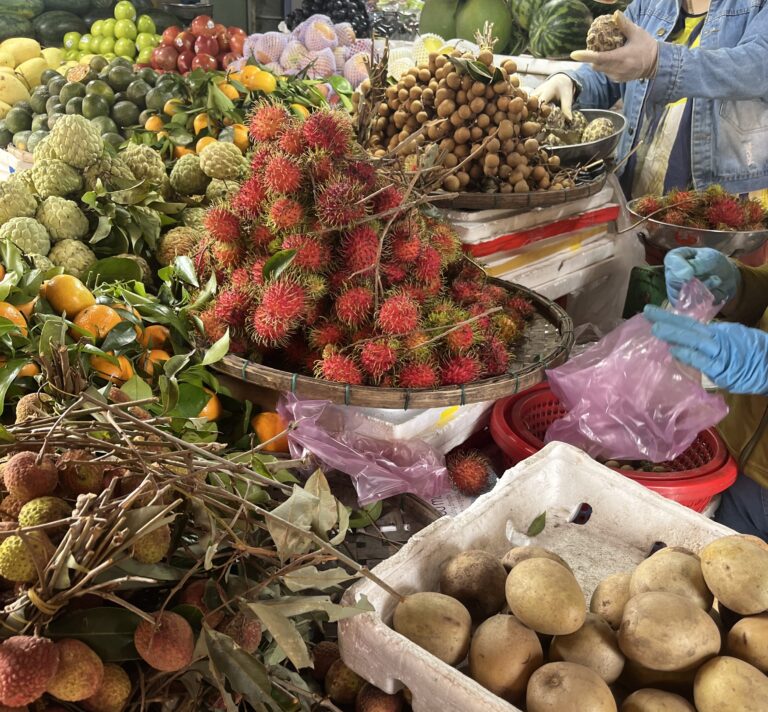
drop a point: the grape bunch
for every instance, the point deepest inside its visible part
(353, 11)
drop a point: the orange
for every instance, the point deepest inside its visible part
(26, 308)
(203, 142)
(2, 272)
(154, 123)
(266, 427)
(119, 373)
(97, 321)
(300, 110)
(10, 312)
(229, 91)
(67, 294)
(27, 370)
(264, 82)
(201, 122)
(151, 362)
(240, 137)
(212, 409)
(172, 107)
(235, 77)
(154, 336)
(179, 151)
(162, 134)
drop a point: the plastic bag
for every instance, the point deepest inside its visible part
(628, 399)
(378, 468)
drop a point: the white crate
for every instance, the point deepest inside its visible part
(627, 520)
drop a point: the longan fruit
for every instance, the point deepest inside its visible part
(427, 96)
(461, 97)
(521, 187)
(451, 160)
(504, 171)
(402, 94)
(517, 105)
(533, 103)
(453, 80)
(483, 121)
(544, 183)
(463, 178)
(464, 112)
(452, 184)
(539, 173)
(383, 109)
(443, 94)
(380, 153)
(466, 83)
(441, 60)
(498, 117)
(433, 84)
(506, 129)
(486, 57)
(545, 110)
(489, 93)
(493, 145)
(501, 87)
(414, 93)
(408, 81)
(422, 117)
(531, 128)
(510, 67)
(391, 130)
(526, 170)
(477, 89)
(440, 74)
(505, 188)
(515, 177)
(433, 132)
(508, 146)
(476, 133)
(425, 74)
(503, 103)
(554, 161)
(556, 186)
(462, 150)
(514, 80)
(416, 106)
(524, 114)
(531, 146)
(461, 135)
(477, 105)
(411, 123)
(447, 144)
(491, 161)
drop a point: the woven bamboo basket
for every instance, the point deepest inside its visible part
(547, 343)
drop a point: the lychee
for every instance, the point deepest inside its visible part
(398, 314)
(324, 654)
(354, 306)
(267, 122)
(372, 699)
(27, 664)
(79, 674)
(32, 405)
(27, 479)
(112, 694)
(44, 510)
(167, 644)
(339, 368)
(458, 370)
(342, 684)
(153, 546)
(417, 375)
(11, 507)
(197, 594)
(245, 630)
(22, 557)
(79, 474)
(470, 471)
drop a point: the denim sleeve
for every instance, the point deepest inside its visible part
(735, 73)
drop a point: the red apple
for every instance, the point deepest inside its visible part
(203, 26)
(184, 41)
(226, 59)
(206, 62)
(164, 57)
(184, 61)
(222, 38)
(206, 45)
(169, 35)
(236, 43)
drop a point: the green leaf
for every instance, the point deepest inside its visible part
(302, 605)
(537, 525)
(136, 389)
(340, 84)
(366, 516)
(284, 632)
(218, 351)
(205, 294)
(6, 437)
(158, 572)
(113, 269)
(192, 400)
(8, 374)
(109, 631)
(119, 337)
(278, 263)
(310, 578)
(185, 269)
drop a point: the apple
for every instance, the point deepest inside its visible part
(184, 41)
(226, 59)
(164, 57)
(203, 26)
(236, 42)
(222, 38)
(206, 45)
(206, 62)
(184, 61)
(169, 35)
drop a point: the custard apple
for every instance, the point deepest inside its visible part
(112, 171)
(553, 140)
(556, 120)
(187, 177)
(579, 122)
(179, 241)
(145, 163)
(15, 201)
(75, 257)
(218, 190)
(194, 218)
(54, 177)
(62, 218)
(40, 262)
(597, 129)
(28, 235)
(44, 149)
(604, 35)
(221, 160)
(76, 141)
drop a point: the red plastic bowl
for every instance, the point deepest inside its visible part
(519, 424)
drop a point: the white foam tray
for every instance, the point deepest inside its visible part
(626, 521)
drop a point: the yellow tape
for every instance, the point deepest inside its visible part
(448, 415)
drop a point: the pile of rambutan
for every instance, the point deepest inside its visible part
(325, 267)
(710, 209)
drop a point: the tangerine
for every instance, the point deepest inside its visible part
(203, 142)
(264, 82)
(27, 370)
(229, 91)
(179, 151)
(267, 426)
(27, 307)
(300, 110)
(96, 321)
(153, 359)
(172, 107)
(154, 123)
(201, 122)
(2, 271)
(114, 373)
(67, 294)
(154, 336)
(212, 410)
(10, 312)
(240, 137)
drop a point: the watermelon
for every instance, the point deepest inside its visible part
(559, 28)
(524, 10)
(597, 8)
(22, 8)
(50, 27)
(14, 26)
(77, 6)
(518, 41)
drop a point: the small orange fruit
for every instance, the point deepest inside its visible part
(267, 426)
(229, 91)
(300, 110)
(27, 307)
(201, 122)
(115, 373)
(154, 123)
(10, 312)
(203, 142)
(151, 362)
(240, 137)
(67, 294)
(2, 271)
(179, 151)
(172, 107)
(235, 77)
(264, 82)
(96, 321)
(155, 336)
(27, 370)
(162, 134)
(212, 410)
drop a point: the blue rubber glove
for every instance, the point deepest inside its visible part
(718, 274)
(734, 357)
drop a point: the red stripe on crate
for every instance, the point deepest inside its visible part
(515, 240)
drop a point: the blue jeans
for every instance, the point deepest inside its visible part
(744, 507)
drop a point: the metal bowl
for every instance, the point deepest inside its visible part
(668, 237)
(583, 153)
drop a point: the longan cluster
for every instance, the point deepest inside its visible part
(485, 129)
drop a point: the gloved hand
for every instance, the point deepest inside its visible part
(734, 357)
(712, 268)
(635, 60)
(559, 88)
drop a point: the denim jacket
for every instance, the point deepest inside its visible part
(726, 77)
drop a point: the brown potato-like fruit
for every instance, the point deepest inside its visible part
(342, 684)
(649, 700)
(610, 597)
(477, 579)
(748, 641)
(664, 631)
(568, 687)
(503, 656)
(436, 622)
(673, 572)
(727, 684)
(736, 571)
(594, 646)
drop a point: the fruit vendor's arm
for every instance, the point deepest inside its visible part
(752, 301)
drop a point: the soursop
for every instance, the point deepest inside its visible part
(597, 129)
(221, 160)
(28, 235)
(112, 171)
(62, 218)
(604, 35)
(187, 176)
(194, 218)
(145, 163)
(15, 201)
(52, 176)
(75, 257)
(76, 141)
(44, 149)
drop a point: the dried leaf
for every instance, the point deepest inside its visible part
(537, 525)
(299, 509)
(301, 605)
(309, 577)
(327, 514)
(284, 632)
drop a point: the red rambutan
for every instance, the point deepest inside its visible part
(312, 254)
(248, 202)
(521, 306)
(240, 278)
(338, 204)
(283, 299)
(261, 236)
(683, 199)
(226, 254)
(647, 205)
(460, 369)
(460, 340)
(330, 131)
(398, 314)
(466, 291)
(222, 224)
(672, 216)
(213, 327)
(292, 142)
(725, 214)
(470, 471)
(377, 357)
(354, 306)
(231, 307)
(362, 172)
(417, 375)
(269, 330)
(361, 248)
(339, 368)
(483, 322)
(394, 273)
(321, 166)
(418, 345)
(326, 333)
(387, 199)
(406, 248)
(445, 241)
(754, 214)
(260, 157)
(256, 270)
(285, 214)
(495, 357)
(492, 295)
(267, 122)
(283, 175)
(428, 265)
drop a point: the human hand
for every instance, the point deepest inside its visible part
(712, 268)
(559, 88)
(734, 357)
(635, 60)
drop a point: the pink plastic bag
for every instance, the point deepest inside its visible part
(378, 468)
(628, 399)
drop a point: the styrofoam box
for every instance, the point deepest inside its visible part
(626, 521)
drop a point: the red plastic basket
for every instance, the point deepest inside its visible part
(519, 424)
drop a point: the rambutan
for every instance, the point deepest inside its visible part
(283, 175)
(406, 248)
(339, 205)
(268, 330)
(312, 254)
(521, 306)
(492, 295)
(647, 205)
(394, 273)
(315, 285)
(222, 225)
(363, 173)
(432, 288)
(466, 291)
(398, 314)
(339, 368)
(418, 345)
(321, 166)
(261, 236)
(213, 328)
(292, 142)
(495, 357)
(460, 340)
(470, 471)
(417, 375)
(673, 216)
(231, 307)
(326, 333)
(445, 241)
(754, 214)
(460, 369)
(283, 299)
(260, 157)
(240, 278)
(445, 313)
(361, 248)
(476, 310)
(256, 270)
(378, 357)
(330, 131)
(387, 199)
(226, 254)
(285, 214)
(507, 327)
(354, 306)
(248, 202)
(683, 199)
(267, 122)
(428, 265)
(725, 214)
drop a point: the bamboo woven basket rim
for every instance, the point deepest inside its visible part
(522, 201)
(488, 389)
